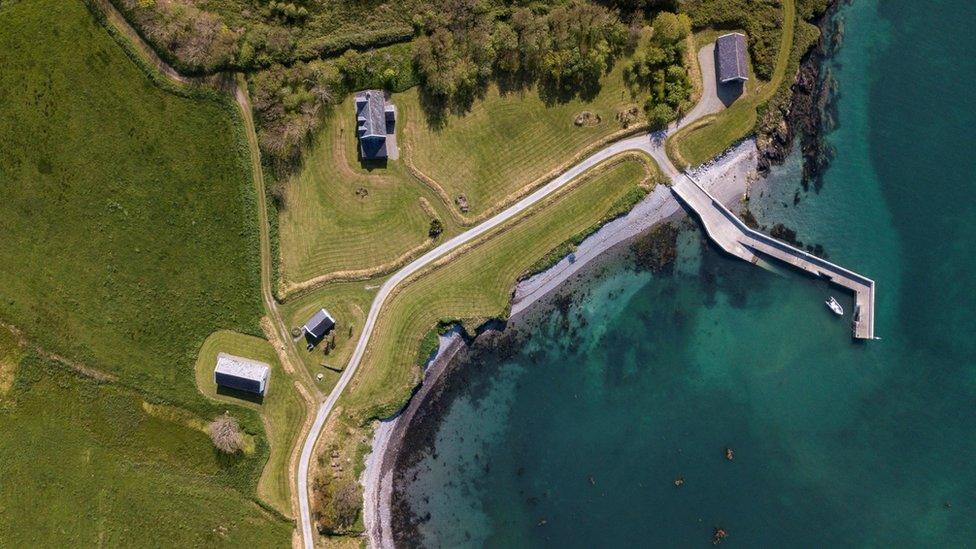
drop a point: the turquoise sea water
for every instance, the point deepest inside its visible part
(575, 441)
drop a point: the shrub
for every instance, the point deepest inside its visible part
(226, 434)
(658, 114)
(337, 504)
(436, 228)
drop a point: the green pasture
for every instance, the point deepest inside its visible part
(340, 216)
(507, 140)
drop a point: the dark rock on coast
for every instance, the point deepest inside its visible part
(417, 440)
(655, 251)
(811, 111)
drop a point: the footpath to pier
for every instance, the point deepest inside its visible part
(733, 236)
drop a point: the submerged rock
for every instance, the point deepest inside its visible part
(657, 250)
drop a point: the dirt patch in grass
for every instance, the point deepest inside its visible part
(11, 352)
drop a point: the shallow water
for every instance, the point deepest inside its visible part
(577, 439)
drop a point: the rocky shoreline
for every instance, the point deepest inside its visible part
(810, 115)
(811, 111)
(386, 517)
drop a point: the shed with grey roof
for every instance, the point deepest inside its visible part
(730, 52)
(242, 374)
(317, 326)
(375, 125)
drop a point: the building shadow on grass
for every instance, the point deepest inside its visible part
(729, 91)
(241, 395)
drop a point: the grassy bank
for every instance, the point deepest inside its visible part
(129, 235)
(507, 140)
(710, 136)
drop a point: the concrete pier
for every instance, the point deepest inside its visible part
(733, 236)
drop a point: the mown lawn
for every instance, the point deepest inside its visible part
(339, 216)
(128, 236)
(507, 140)
(476, 286)
(712, 135)
(282, 409)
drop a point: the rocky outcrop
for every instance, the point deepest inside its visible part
(811, 111)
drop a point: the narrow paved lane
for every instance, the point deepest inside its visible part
(652, 144)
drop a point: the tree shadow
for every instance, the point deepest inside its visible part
(438, 108)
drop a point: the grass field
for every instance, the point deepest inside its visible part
(341, 217)
(282, 409)
(129, 236)
(712, 135)
(127, 213)
(84, 465)
(506, 141)
(475, 286)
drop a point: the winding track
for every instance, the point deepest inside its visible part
(651, 144)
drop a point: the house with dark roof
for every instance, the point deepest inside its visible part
(376, 126)
(731, 64)
(317, 326)
(241, 374)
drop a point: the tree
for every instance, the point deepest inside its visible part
(506, 48)
(658, 114)
(436, 228)
(669, 28)
(226, 434)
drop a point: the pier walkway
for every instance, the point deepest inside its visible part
(733, 236)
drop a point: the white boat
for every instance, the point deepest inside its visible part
(834, 306)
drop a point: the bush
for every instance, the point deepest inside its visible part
(337, 504)
(194, 39)
(658, 114)
(226, 434)
(660, 68)
(436, 228)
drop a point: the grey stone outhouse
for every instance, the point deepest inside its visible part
(242, 374)
(317, 326)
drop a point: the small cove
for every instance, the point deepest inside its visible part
(575, 436)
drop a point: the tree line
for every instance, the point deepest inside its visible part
(566, 48)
